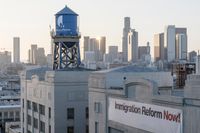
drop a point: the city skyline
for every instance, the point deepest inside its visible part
(30, 20)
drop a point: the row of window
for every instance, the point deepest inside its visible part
(10, 114)
(35, 108)
(35, 123)
(70, 111)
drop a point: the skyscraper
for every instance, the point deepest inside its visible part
(181, 47)
(16, 49)
(125, 38)
(40, 57)
(102, 43)
(142, 50)
(192, 56)
(132, 45)
(175, 39)
(86, 43)
(159, 51)
(169, 42)
(113, 52)
(33, 53)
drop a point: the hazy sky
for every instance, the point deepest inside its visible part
(30, 20)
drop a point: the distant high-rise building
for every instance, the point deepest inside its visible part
(192, 56)
(113, 52)
(175, 40)
(29, 56)
(181, 46)
(132, 46)
(16, 49)
(96, 45)
(147, 57)
(169, 42)
(40, 57)
(102, 46)
(126, 30)
(86, 43)
(159, 51)
(33, 53)
(142, 50)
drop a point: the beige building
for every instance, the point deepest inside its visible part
(54, 101)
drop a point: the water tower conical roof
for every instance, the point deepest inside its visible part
(66, 10)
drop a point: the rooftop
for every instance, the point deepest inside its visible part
(66, 10)
(40, 72)
(131, 68)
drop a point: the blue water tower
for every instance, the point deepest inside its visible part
(66, 40)
(66, 22)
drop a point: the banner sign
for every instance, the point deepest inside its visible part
(148, 117)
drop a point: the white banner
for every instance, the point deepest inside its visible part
(148, 117)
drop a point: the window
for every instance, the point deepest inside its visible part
(17, 115)
(22, 103)
(113, 130)
(11, 115)
(42, 109)
(86, 113)
(49, 112)
(29, 119)
(87, 129)
(35, 108)
(42, 126)
(97, 107)
(29, 104)
(5, 114)
(70, 113)
(70, 129)
(35, 123)
(96, 127)
(49, 129)
(23, 117)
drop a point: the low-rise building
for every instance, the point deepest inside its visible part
(141, 100)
